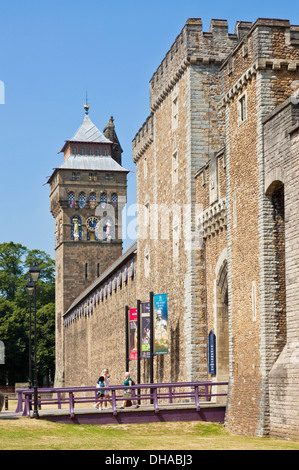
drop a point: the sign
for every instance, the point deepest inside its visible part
(160, 324)
(212, 353)
(145, 330)
(133, 334)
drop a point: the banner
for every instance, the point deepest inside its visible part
(133, 334)
(145, 331)
(160, 324)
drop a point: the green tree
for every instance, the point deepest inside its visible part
(15, 262)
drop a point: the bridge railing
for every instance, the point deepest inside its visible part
(154, 394)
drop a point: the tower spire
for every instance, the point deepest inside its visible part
(86, 105)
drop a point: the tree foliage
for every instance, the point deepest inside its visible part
(15, 262)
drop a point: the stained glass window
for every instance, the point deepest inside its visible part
(71, 200)
(82, 200)
(103, 197)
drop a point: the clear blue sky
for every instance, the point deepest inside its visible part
(51, 52)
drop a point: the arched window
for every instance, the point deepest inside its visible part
(98, 151)
(103, 198)
(105, 151)
(82, 200)
(82, 150)
(75, 150)
(71, 199)
(90, 152)
(114, 200)
(92, 200)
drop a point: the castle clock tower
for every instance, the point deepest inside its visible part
(87, 193)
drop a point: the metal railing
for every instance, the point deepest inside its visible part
(154, 394)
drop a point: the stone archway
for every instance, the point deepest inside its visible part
(222, 326)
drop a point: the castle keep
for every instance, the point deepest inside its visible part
(216, 164)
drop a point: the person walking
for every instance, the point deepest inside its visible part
(128, 393)
(101, 393)
(106, 376)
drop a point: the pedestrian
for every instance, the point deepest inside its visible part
(106, 376)
(128, 393)
(101, 393)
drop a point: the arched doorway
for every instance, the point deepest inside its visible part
(275, 192)
(222, 328)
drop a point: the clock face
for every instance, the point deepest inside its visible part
(91, 223)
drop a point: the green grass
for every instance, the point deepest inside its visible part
(31, 434)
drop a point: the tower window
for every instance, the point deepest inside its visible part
(82, 200)
(103, 197)
(114, 200)
(92, 200)
(71, 200)
(92, 176)
(75, 176)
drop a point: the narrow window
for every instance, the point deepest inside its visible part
(253, 301)
(82, 150)
(175, 177)
(86, 270)
(82, 200)
(234, 209)
(103, 198)
(98, 269)
(90, 152)
(175, 113)
(71, 200)
(242, 109)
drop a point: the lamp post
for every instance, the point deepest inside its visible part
(30, 289)
(34, 275)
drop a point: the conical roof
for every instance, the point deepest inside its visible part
(88, 132)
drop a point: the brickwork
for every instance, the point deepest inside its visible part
(94, 326)
(190, 72)
(281, 143)
(216, 166)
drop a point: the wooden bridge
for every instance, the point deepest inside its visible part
(155, 402)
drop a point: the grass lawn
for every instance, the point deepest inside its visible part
(31, 434)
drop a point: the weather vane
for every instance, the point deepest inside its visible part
(86, 105)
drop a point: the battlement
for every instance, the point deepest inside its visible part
(143, 139)
(193, 45)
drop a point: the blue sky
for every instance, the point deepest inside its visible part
(50, 53)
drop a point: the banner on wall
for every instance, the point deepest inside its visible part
(133, 334)
(161, 341)
(145, 330)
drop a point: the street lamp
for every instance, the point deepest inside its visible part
(34, 274)
(30, 290)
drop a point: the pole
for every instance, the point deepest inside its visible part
(127, 338)
(35, 397)
(138, 341)
(152, 339)
(30, 346)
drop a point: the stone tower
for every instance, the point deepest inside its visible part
(87, 193)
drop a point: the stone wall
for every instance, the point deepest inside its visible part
(253, 72)
(95, 329)
(281, 143)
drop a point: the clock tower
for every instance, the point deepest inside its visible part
(87, 194)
